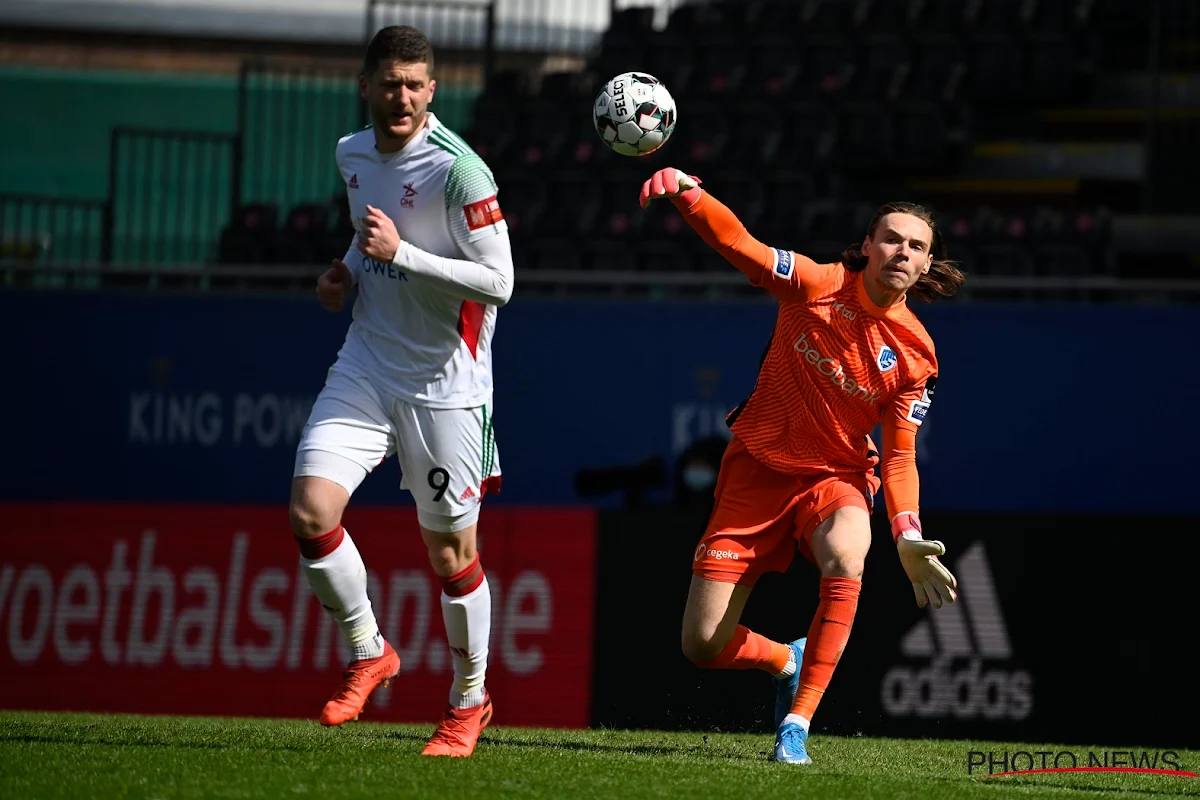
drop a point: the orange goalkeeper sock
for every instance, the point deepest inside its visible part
(827, 639)
(750, 650)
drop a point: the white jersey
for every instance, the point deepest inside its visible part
(415, 338)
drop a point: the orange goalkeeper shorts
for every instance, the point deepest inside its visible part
(761, 517)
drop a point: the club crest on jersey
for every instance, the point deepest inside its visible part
(886, 360)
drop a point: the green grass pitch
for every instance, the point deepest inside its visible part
(111, 756)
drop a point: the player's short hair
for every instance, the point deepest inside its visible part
(944, 278)
(402, 43)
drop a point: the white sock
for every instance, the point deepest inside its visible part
(799, 720)
(339, 580)
(468, 621)
(790, 669)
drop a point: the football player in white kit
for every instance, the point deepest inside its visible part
(431, 263)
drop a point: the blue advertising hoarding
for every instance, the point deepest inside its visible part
(201, 398)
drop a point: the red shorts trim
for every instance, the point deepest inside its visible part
(761, 517)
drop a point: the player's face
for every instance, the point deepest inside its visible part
(398, 95)
(898, 251)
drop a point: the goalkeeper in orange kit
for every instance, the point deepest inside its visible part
(799, 472)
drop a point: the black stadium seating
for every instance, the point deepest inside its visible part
(801, 116)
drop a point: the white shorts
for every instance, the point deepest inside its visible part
(447, 456)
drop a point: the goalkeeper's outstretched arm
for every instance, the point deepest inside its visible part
(788, 275)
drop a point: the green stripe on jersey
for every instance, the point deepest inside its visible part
(455, 138)
(447, 144)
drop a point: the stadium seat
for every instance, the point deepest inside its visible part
(939, 65)
(574, 212)
(664, 255)
(493, 129)
(1004, 241)
(756, 130)
(778, 16)
(608, 255)
(248, 237)
(775, 68)
(829, 17)
(743, 192)
(887, 15)
(864, 136)
(703, 139)
(1092, 229)
(945, 17)
(829, 225)
(808, 137)
(303, 238)
(522, 198)
(724, 65)
(548, 116)
(995, 68)
(829, 65)
(631, 22)
(919, 144)
(1054, 242)
(673, 60)
(569, 89)
(617, 213)
(660, 221)
(555, 254)
(785, 195)
(1052, 68)
(1002, 17)
(1003, 259)
(957, 228)
(1062, 260)
(883, 65)
(1054, 17)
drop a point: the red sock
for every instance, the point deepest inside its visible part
(827, 637)
(749, 650)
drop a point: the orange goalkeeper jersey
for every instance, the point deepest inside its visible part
(836, 365)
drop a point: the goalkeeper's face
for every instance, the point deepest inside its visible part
(398, 95)
(898, 251)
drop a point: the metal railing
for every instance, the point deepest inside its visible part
(723, 286)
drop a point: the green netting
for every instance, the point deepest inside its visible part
(173, 197)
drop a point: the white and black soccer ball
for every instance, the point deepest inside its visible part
(634, 114)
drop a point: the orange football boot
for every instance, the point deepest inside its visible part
(358, 681)
(459, 730)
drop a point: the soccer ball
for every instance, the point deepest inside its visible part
(634, 114)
